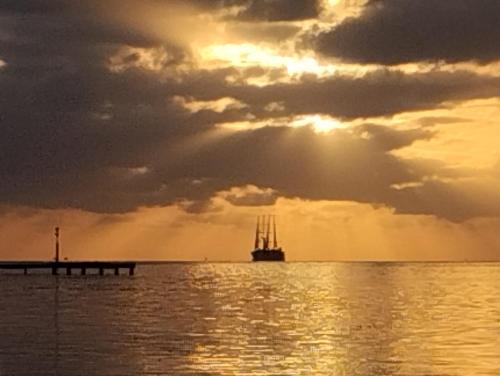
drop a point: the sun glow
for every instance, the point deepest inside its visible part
(320, 123)
(250, 55)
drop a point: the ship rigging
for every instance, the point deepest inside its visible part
(263, 237)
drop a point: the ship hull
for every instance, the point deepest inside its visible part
(268, 255)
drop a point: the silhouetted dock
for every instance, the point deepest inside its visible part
(69, 266)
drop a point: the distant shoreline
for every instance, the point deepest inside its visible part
(162, 262)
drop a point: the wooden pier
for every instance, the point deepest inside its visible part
(69, 266)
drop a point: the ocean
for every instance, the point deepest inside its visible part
(293, 318)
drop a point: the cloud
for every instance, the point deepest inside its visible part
(258, 32)
(263, 10)
(456, 200)
(91, 122)
(402, 31)
(430, 121)
(250, 196)
(34, 6)
(379, 93)
(300, 163)
(280, 10)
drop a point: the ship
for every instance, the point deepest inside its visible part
(263, 237)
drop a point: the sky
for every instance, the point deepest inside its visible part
(160, 129)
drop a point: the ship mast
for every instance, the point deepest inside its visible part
(275, 239)
(257, 233)
(265, 240)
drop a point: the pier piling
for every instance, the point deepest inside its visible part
(54, 267)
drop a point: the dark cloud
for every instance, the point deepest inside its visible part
(263, 31)
(403, 31)
(280, 10)
(301, 163)
(352, 165)
(380, 93)
(265, 10)
(34, 6)
(388, 139)
(76, 134)
(62, 28)
(447, 199)
(430, 121)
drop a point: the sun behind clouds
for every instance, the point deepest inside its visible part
(250, 55)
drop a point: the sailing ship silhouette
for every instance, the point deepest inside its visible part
(263, 237)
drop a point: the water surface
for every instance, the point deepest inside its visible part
(255, 319)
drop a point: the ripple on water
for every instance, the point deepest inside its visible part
(249, 319)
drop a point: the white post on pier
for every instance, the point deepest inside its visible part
(56, 233)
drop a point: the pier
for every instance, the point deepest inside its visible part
(69, 267)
